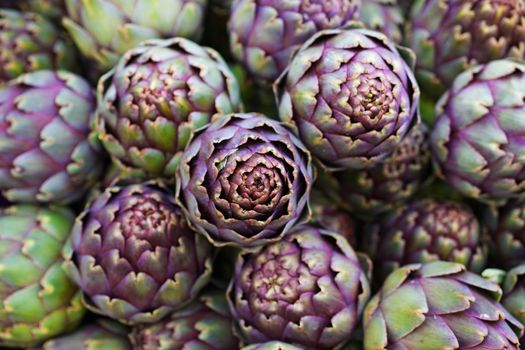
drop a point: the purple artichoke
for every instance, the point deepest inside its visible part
(350, 97)
(134, 256)
(47, 150)
(331, 217)
(205, 324)
(370, 192)
(307, 289)
(156, 96)
(28, 43)
(265, 33)
(439, 305)
(427, 230)
(507, 229)
(478, 140)
(244, 180)
(452, 36)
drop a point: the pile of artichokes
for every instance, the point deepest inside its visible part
(262, 174)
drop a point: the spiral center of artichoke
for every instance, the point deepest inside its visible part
(371, 98)
(147, 219)
(277, 280)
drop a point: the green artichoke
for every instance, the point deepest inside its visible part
(100, 335)
(272, 345)
(307, 289)
(384, 16)
(245, 180)
(264, 34)
(514, 292)
(47, 150)
(134, 257)
(477, 140)
(52, 9)
(439, 305)
(205, 324)
(451, 36)
(37, 299)
(28, 43)
(103, 30)
(426, 230)
(371, 192)
(157, 95)
(507, 230)
(349, 96)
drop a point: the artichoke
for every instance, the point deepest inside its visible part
(439, 305)
(28, 43)
(307, 289)
(157, 95)
(264, 34)
(103, 30)
(134, 257)
(370, 192)
(37, 299)
(272, 345)
(507, 229)
(427, 230)
(350, 97)
(52, 9)
(384, 16)
(451, 36)
(99, 335)
(244, 180)
(205, 324)
(477, 138)
(47, 150)
(514, 292)
(331, 217)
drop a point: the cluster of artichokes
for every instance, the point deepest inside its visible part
(262, 174)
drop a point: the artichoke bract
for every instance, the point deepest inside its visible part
(205, 324)
(350, 97)
(28, 43)
(272, 345)
(477, 140)
(37, 299)
(371, 192)
(507, 230)
(265, 33)
(103, 30)
(514, 292)
(244, 180)
(134, 257)
(451, 36)
(48, 152)
(307, 289)
(384, 16)
(99, 335)
(427, 230)
(439, 305)
(157, 95)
